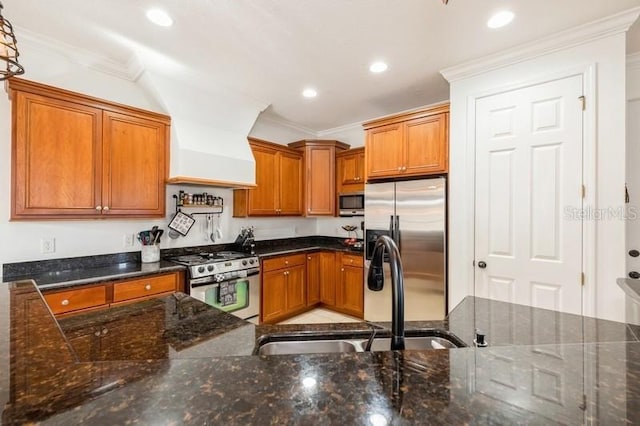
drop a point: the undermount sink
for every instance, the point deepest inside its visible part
(307, 347)
(415, 343)
(315, 343)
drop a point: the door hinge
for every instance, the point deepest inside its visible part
(581, 278)
(584, 191)
(583, 99)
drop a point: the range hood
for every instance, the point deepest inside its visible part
(209, 128)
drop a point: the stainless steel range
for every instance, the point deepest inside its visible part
(227, 280)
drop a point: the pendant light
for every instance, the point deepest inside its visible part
(8, 50)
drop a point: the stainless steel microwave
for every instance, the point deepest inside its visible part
(351, 204)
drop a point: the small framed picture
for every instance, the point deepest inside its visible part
(181, 223)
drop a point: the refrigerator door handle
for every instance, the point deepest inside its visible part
(392, 232)
(397, 234)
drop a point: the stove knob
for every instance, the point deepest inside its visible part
(219, 277)
(210, 268)
(244, 263)
(201, 269)
(251, 261)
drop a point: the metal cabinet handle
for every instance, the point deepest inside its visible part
(309, 258)
(342, 269)
(286, 262)
(400, 168)
(97, 333)
(104, 331)
(98, 208)
(147, 287)
(65, 302)
(482, 264)
(105, 208)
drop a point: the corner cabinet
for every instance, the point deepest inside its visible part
(319, 175)
(408, 145)
(74, 156)
(279, 190)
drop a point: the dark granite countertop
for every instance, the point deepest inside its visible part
(70, 272)
(175, 360)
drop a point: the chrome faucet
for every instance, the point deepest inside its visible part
(375, 282)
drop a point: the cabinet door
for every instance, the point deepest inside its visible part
(290, 181)
(296, 289)
(328, 278)
(426, 145)
(135, 171)
(313, 279)
(320, 173)
(263, 200)
(350, 169)
(384, 151)
(350, 291)
(274, 295)
(57, 154)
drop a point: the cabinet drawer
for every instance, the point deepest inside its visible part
(143, 287)
(352, 260)
(74, 300)
(283, 262)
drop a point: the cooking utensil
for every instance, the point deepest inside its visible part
(212, 235)
(218, 228)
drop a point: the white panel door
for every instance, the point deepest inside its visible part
(529, 196)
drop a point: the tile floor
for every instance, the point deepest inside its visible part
(320, 316)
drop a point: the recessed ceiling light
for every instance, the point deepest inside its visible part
(378, 67)
(309, 93)
(159, 17)
(500, 19)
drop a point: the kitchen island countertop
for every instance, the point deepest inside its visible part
(542, 368)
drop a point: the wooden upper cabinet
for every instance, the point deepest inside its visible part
(350, 174)
(384, 151)
(426, 145)
(291, 188)
(74, 156)
(279, 178)
(56, 147)
(134, 169)
(264, 199)
(319, 175)
(412, 144)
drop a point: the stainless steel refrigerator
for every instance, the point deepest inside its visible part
(413, 213)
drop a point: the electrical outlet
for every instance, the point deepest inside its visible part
(127, 240)
(47, 245)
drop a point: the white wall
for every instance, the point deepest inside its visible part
(608, 55)
(352, 134)
(269, 129)
(633, 160)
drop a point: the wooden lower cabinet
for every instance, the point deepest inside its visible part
(350, 291)
(85, 298)
(296, 289)
(284, 287)
(321, 279)
(294, 284)
(350, 285)
(274, 296)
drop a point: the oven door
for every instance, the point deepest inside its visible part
(238, 296)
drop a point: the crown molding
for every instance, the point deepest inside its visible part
(130, 70)
(271, 117)
(572, 37)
